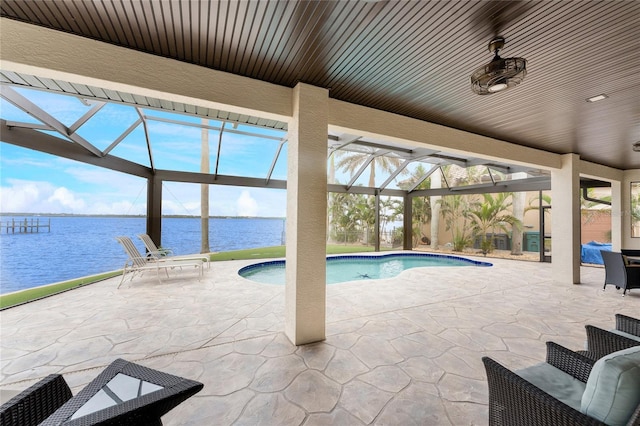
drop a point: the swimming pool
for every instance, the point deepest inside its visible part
(353, 268)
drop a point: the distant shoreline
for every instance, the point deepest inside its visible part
(171, 216)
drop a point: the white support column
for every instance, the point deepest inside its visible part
(305, 293)
(565, 220)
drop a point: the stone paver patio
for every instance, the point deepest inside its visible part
(400, 351)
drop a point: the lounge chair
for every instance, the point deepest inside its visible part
(124, 393)
(618, 273)
(155, 252)
(136, 263)
(567, 389)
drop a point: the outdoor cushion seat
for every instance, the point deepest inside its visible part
(570, 389)
(123, 394)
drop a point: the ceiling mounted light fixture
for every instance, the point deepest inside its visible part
(597, 98)
(499, 74)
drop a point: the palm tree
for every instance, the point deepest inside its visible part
(350, 162)
(455, 211)
(421, 206)
(635, 214)
(340, 208)
(491, 214)
(587, 210)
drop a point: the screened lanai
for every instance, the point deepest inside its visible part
(335, 70)
(76, 121)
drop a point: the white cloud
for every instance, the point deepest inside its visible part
(115, 193)
(22, 196)
(247, 205)
(67, 199)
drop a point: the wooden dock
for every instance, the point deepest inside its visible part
(27, 226)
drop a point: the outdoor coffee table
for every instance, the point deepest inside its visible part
(125, 393)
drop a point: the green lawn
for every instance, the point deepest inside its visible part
(279, 251)
(31, 294)
(40, 292)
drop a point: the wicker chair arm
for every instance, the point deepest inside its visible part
(602, 342)
(35, 403)
(573, 363)
(515, 401)
(628, 324)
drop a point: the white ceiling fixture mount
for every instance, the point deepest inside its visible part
(500, 74)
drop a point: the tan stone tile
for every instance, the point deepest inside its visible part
(363, 400)
(343, 340)
(462, 389)
(279, 346)
(230, 373)
(270, 409)
(463, 413)
(374, 352)
(335, 418)
(316, 355)
(313, 391)
(254, 345)
(344, 366)
(415, 405)
(387, 378)
(422, 369)
(220, 410)
(434, 345)
(277, 373)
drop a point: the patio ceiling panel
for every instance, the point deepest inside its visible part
(409, 58)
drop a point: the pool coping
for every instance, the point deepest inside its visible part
(282, 262)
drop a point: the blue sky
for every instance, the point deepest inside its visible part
(33, 182)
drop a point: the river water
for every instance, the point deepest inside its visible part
(77, 246)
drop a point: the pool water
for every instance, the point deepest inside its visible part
(353, 268)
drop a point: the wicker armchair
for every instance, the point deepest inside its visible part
(36, 403)
(516, 401)
(123, 394)
(603, 342)
(618, 273)
(628, 325)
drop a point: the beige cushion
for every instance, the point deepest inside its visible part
(613, 390)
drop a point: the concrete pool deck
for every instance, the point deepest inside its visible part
(398, 351)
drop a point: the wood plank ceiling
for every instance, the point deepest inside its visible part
(412, 58)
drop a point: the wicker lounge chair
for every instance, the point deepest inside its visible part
(568, 389)
(136, 263)
(157, 253)
(124, 393)
(618, 273)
